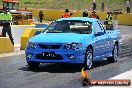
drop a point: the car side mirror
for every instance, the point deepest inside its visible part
(99, 33)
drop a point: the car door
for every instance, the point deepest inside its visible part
(100, 41)
(107, 39)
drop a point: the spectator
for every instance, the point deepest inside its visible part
(102, 6)
(128, 5)
(94, 5)
(94, 15)
(41, 16)
(7, 28)
(67, 14)
(25, 8)
(108, 22)
(85, 13)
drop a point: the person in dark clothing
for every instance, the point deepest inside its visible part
(128, 5)
(6, 26)
(85, 13)
(94, 5)
(41, 16)
(102, 6)
(7, 29)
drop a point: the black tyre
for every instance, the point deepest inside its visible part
(33, 65)
(86, 82)
(114, 57)
(88, 58)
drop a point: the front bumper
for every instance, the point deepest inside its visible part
(63, 56)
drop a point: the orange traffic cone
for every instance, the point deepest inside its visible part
(84, 73)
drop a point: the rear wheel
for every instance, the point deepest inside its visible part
(114, 57)
(33, 65)
(88, 58)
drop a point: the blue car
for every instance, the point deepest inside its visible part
(74, 40)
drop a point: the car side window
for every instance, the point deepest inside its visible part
(97, 27)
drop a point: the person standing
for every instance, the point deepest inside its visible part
(102, 6)
(67, 14)
(41, 16)
(109, 23)
(94, 15)
(94, 5)
(7, 28)
(128, 5)
(85, 13)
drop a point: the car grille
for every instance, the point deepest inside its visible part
(49, 46)
(49, 56)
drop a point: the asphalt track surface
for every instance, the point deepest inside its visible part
(14, 72)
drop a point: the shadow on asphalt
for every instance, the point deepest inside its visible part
(61, 68)
(56, 68)
(101, 63)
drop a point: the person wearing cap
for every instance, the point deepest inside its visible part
(94, 15)
(67, 14)
(85, 13)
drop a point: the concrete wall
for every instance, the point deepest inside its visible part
(28, 33)
(5, 45)
(124, 19)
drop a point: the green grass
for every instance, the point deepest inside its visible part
(71, 4)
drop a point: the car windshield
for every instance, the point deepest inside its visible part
(81, 27)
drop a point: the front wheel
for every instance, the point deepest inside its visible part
(88, 58)
(114, 57)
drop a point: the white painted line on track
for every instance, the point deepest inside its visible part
(12, 53)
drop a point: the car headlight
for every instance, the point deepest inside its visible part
(73, 46)
(67, 46)
(32, 45)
